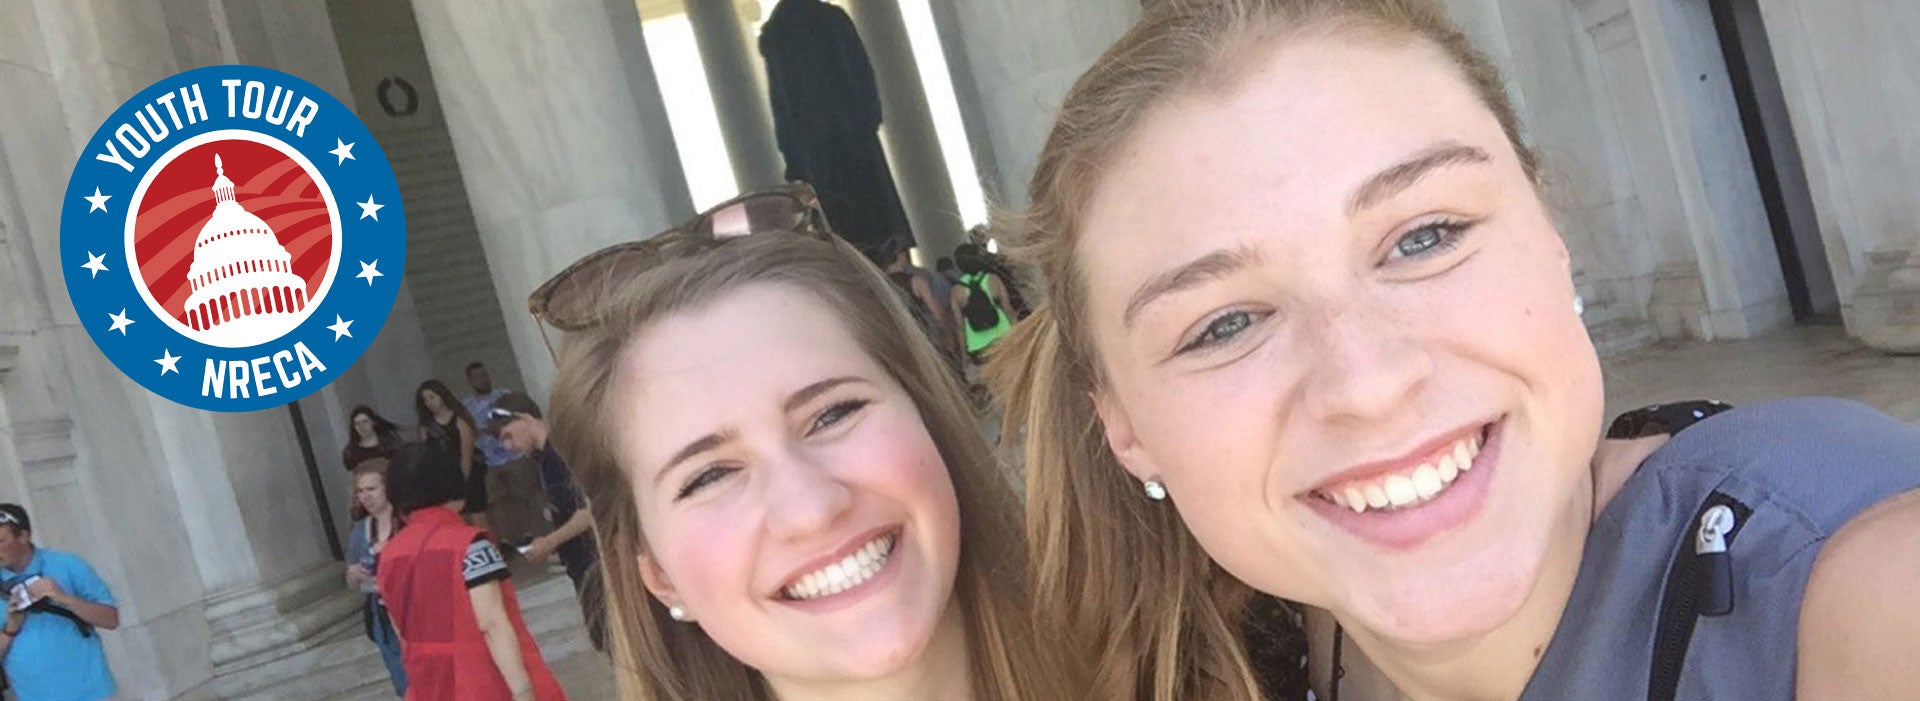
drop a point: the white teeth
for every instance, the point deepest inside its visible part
(1411, 488)
(1426, 481)
(1376, 497)
(851, 571)
(1400, 491)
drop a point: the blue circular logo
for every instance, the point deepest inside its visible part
(232, 238)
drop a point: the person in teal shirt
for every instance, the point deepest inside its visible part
(51, 645)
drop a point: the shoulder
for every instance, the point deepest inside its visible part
(483, 562)
(68, 567)
(1828, 458)
(60, 559)
(1859, 623)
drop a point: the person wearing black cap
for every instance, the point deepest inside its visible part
(56, 605)
(517, 421)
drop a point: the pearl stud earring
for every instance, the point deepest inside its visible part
(1156, 491)
(678, 614)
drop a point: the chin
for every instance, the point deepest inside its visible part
(1475, 598)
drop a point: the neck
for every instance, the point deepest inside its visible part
(1496, 665)
(383, 514)
(942, 672)
(369, 441)
(442, 415)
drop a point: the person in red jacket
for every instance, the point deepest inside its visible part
(446, 586)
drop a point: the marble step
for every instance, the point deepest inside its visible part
(345, 665)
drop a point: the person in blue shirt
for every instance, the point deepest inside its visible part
(56, 608)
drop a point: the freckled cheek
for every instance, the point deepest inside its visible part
(1207, 431)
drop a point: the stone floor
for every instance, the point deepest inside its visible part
(1815, 360)
(1801, 361)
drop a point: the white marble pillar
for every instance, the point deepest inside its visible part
(561, 135)
(913, 147)
(738, 84)
(1848, 78)
(1015, 61)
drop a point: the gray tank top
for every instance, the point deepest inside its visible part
(1691, 583)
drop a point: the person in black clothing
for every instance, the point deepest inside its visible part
(445, 421)
(826, 116)
(517, 421)
(370, 436)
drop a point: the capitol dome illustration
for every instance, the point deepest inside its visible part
(244, 290)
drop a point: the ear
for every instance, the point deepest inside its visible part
(1121, 438)
(657, 582)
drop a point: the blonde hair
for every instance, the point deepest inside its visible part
(1150, 612)
(659, 659)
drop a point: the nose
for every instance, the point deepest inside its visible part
(805, 496)
(1366, 363)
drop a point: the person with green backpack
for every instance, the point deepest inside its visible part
(980, 302)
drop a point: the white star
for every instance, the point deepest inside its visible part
(370, 271)
(339, 328)
(369, 209)
(98, 201)
(344, 150)
(120, 322)
(95, 263)
(168, 362)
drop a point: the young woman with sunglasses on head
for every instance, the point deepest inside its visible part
(1311, 332)
(789, 492)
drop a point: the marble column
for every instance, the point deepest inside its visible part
(1014, 61)
(1847, 75)
(738, 84)
(913, 147)
(561, 135)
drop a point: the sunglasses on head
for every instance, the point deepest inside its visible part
(575, 299)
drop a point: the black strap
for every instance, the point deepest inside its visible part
(1663, 419)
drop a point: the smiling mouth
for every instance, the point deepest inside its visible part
(1411, 487)
(848, 572)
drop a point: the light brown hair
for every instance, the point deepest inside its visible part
(1119, 575)
(371, 466)
(659, 659)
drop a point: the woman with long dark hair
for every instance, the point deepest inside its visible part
(444, 421)
(369, 436)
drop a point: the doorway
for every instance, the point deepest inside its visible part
(1777, 162)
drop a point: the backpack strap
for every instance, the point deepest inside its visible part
(1662, 419)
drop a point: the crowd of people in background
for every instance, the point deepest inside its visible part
(432, 561)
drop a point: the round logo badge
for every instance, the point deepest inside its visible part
(232, 238)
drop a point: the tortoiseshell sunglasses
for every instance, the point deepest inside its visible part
(575, 299)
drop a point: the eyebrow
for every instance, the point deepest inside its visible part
(720, 438)
(1397, 178)
(1211, 266)
(698, 446)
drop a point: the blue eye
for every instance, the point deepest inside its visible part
(1221, 329)
(707, 477)
(1429, 240)
(836, 414)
